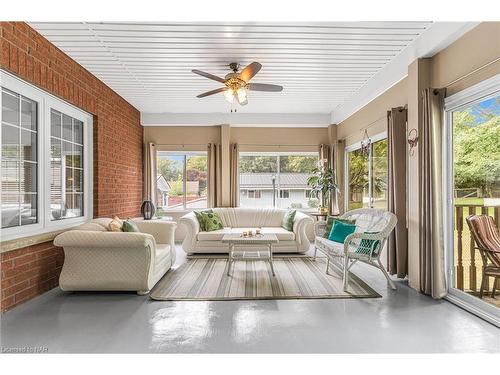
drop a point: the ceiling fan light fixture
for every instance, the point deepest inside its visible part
(229, 95)
(242, 94)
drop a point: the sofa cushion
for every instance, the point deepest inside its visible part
(215, 235)
(287, 222)
(210, 221)
(340, 231)
(331, 220)
(281, 233)
(199, 216)
(116, 224)
(130, 226)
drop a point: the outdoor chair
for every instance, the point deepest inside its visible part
(487, 238)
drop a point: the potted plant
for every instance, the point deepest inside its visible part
(323, 184)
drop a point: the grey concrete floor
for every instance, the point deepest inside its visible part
(403, 321)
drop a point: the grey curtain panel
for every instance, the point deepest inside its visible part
(214, 175)
(432, 267)
(150, 172)
(327, 153)
(397, 244)
(234, 188)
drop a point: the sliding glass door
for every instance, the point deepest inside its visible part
(367, 176)
(473, 187)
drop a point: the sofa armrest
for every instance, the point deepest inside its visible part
(300, 224)
(114, 240)
(192, 229)
(162, 231)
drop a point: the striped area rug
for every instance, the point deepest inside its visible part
(205, 279)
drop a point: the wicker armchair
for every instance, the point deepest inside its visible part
(486, 236)
(378, 222)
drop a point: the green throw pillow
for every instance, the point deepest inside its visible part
(365, 246)
(340, 231)
(331, 220)
(287, 222)
(130, 226)
(211, 221)
(200, 219)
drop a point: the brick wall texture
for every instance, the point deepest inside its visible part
(118, 138)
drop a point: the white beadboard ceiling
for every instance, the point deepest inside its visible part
(320, 65)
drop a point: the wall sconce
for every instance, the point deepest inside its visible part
(412, 140)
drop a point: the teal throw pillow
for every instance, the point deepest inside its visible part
(211, 221)
(288, 219)
(340, 231)
(130, 226)
(200, 219)
(331, 220)
(366, 246)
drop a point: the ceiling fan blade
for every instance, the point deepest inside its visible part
(208, 93)
(250, 70)
(264, 87)
(208, 75)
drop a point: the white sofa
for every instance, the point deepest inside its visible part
(97, 259)
(237, 220)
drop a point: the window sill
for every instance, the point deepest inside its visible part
(19, 243)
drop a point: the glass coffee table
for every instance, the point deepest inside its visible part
(252, 248)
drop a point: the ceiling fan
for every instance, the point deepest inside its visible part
(236, 84)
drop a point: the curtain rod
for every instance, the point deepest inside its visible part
(471, 73)
(181, 144)
(281, 145)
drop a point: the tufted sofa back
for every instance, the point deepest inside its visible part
(251, 217)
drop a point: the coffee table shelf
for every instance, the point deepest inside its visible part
(252, 248)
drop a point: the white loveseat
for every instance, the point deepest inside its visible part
(237, 220)
(97, 259)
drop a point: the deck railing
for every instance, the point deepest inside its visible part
(468, 261)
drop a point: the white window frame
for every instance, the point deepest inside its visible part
(185, 154)
(45, 102)
(354, 147)
(482, 91)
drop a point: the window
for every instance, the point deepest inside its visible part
(284, 194)
(253, 194)
(19, 160)
(181, 180)
(472, 145)
(46, 144)
(367, 175)
(66, 166)
(280, 179)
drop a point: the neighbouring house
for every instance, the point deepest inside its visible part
(290, 189)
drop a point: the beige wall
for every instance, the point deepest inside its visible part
(466, 57)
(279, 139)
(373, 115)
(478, 47)
(174, 137)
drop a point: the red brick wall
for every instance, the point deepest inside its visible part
(28, 272)
(118, 134)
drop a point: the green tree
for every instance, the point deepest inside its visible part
(298, 164)
(258, 164)
(477, 151)
(169, 168)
